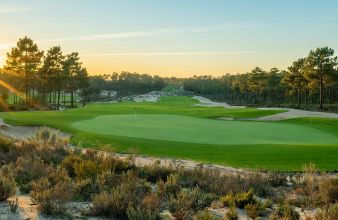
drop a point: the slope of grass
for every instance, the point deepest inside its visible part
(188, 129)
(281, 156)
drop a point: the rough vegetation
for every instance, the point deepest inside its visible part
(58, 176)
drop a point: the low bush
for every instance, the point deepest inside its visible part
(254, 210)
(204, 215)
(30, 168)
(115, 203)
(329, 212)
(239, 199)
(7, 186)
(285, 211)
(53, 193)
(169, 188)
(328, 190)
(189, 201)
(85, 189)
(108, 180)
(232, 214)
(155, 172)
(148, 209)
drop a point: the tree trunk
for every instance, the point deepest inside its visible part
(305, 98)
(321, 92)
(298, 97)
(71, 92)
(59, 93)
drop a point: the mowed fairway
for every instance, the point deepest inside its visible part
(188, 129)
(175, 128)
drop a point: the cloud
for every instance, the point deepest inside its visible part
(173, 53)
(108, 36)
(156, 32)
(211, 28)
(16, 9)
(6, 46)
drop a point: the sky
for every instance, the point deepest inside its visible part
(173, 38)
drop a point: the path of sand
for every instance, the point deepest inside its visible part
(289, 114)
(205, 102)
(295, 113)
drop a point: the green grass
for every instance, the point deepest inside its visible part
(285, 145)
(189, 129)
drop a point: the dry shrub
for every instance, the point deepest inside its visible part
(115, 203)
(155, 172)
(7, 186)
(169, 188)
(189, 201)
(53, 193)
(7, 150)
(148, 209)
(327, 213)
(204, 215)
(239, 199)
(285, 211)
(107, 180)
(232, 214)
(28, 169)
(50, 138)
(85, 189)
(254, 210)
(328, 190)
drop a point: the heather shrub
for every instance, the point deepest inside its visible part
(232, 214)
(328, 190)
(69, 163)
(189, 201)
(50, 138)
(204, 215)
(85, 189)
(285, 211)
(329, 212)
(27, 169)
(115, 203)
(53, 193)
(155, 172)
(7, 150)
(7, 186)
(239, 199)
(169, 188)
(107, 180)
(277, 179)
(254, 210)
(148, 209)
(114, 165)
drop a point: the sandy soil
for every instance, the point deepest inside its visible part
(289, 114)
(17, 131)
(20, 132)
(147, 98)
(295, 113)
(205, 102)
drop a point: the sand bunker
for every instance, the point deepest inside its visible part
(205, 102)
(295, 113)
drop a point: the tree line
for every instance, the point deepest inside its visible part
(125, 83)
(309, 80)
(36, 77)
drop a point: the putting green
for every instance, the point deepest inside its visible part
(188, 129)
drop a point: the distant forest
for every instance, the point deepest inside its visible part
(32, 77)
(312, 80)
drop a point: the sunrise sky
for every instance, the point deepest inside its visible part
(176, 37)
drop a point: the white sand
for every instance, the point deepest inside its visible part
(205, 102)
(294, 113)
